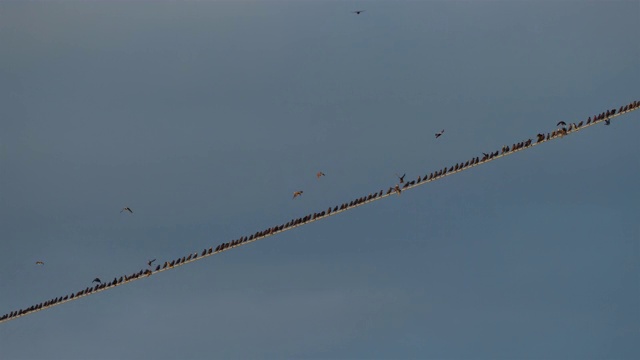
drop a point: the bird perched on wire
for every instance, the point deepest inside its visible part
(320, 174)
(97, 280)
(127, 209)
(485, 154)
(39, 263)
(150, 262)
(397, 188)
(438, 134)
(561, 123)
(297, 193)
(401, 177)
(358, 12)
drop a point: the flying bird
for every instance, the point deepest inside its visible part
(485, 154)
(39, 263)
(401, 177)
(562, 123)
(607, 122)
(127, 209)
(150, 262)
(358, 12)
(439, 133)
(320, 174)
(97, 280)
(297, 193)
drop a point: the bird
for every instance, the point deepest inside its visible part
(439, 133)
(150, 262)
(561, 123)
(358, 12)
(485, 154)
(127, 209)
(97, 280)
(319, 174)
(39, 263)
(401, 177)
(607, 122)
(297, 193)
(397, 189)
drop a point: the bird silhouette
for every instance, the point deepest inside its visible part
(39, 263)
(97, 280)
(297, 193)
(127, 209)
(438, 134)
(401, 177)
(358, 12)
(150, 262)
(607, 122)
(561, 123)
(397, 189)
(485, 154)
(319, 174)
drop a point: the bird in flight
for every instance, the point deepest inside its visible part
(358, 12)
(320, 174)
(39, 263)
(297, 193)
(438, 134)
(401, 177)
(561, 123)
(485, 154)
(127, 209)
(97, 280)
(607, 122)
(150, 262)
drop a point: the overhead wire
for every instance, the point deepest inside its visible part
(260, 235)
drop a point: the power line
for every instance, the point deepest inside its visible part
(439, 174)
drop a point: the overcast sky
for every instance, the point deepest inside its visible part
(205, 117)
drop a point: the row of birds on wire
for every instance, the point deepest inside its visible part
(562, 130)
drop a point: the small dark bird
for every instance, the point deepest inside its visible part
(39, 263)
(562, 123)
(487, 155)
(127, 209)
(358, 12)
(297, 193)
(401, 177)
(97, 280)
(320, 174)
(150, 262)
(439, 133)
(607, 122)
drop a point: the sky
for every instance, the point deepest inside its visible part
(204, 118)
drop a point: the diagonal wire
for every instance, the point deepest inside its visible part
(294, 224)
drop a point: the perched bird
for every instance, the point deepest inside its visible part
(485, 154)
(150, 262)
(562, 123)
(397, 189)
(127, 209)
(319, 174)
(439, 133)
(401, 177)
(607, 122)
(39, 263)
(297, 193)
(358, 12)
(97, 280)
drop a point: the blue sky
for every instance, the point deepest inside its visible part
(204, 117)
